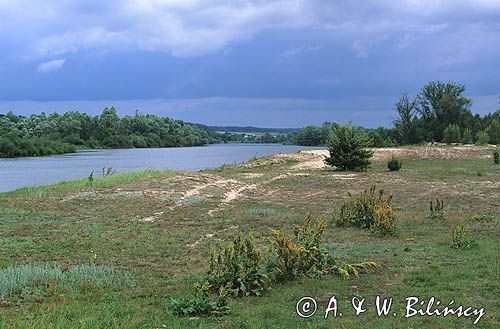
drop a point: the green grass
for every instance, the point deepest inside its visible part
(70, 224)
(84, 185)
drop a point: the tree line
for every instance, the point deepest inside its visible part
(439, 113)
(41, 134)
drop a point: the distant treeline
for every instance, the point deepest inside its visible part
(41, 134)
(248, 129)
(439, 113)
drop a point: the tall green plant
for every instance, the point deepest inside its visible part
(348, 149)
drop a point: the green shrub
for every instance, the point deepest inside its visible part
(237, 265)
(394, 164)
(348, 149)
(460, 239)
(369, 210)
(436, 208)
(201, 303)
(496, 156)
(482, 138)
(451, 134)
(467, 136)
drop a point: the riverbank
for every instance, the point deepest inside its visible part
(159, 226)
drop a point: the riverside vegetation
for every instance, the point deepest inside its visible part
(440, 112)
(127, 250)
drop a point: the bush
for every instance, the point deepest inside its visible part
(348, 149)
(370, 211)
(306, 254)
(436, 208)
(467, 136)
(460, 239)
(451, 134)
(303, 254)
(201, 303)
(482, 138)
(237, 266)
(394, 164)
(496, 156)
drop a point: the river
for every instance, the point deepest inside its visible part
(22, 172)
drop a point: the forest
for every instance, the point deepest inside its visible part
(42, 134)
(438, 113)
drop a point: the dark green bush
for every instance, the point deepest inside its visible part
(349, 149)
(394, 164)
(496, 156)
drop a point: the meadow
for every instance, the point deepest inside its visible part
(112, 252)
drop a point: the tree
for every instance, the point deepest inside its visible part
(451, 134)
(442, 104)
(493, 131)
(482, 138)
(348, 149)
(405, 108)
(311, 136)
(467, 136)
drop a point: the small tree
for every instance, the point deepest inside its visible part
(451, 134)
(348, 149)
(482, 138)
(467, 136)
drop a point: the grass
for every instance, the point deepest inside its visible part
(70, 224)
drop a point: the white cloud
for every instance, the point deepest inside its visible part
(297, 51)
(50, 66)
(198, 27)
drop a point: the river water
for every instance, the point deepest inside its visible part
(21, 172)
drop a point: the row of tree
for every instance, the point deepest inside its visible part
(439, 113)
(50, 134)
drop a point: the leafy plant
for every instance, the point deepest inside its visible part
(202, 303)
(394, 164)
(237, 266)
(349, 149)
(369, 210)
(496, 156)
(487, 216)
(436, 208)
(302, 254)
(90, 179)
(460, 239)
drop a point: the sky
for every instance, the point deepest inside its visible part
(267, 63)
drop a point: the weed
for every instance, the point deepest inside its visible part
(90, 179)
(496, 156)
(237, 266)
(460, 240)
(202, 303)
(436, 208)
(487, 216)
(368, 210)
